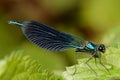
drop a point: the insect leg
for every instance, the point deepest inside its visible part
(75, 61)
(96, 62)
(99, 58)
(89, 65)
(75, 57)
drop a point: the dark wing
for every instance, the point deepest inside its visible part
(49, 38)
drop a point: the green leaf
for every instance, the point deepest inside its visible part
(19, 67)
(110, 59)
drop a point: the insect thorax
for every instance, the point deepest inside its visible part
(88, 47)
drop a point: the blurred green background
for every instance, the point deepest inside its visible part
(90, 19)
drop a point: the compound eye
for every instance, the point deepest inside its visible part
(102, 48)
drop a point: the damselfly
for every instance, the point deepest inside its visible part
(48, 38)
